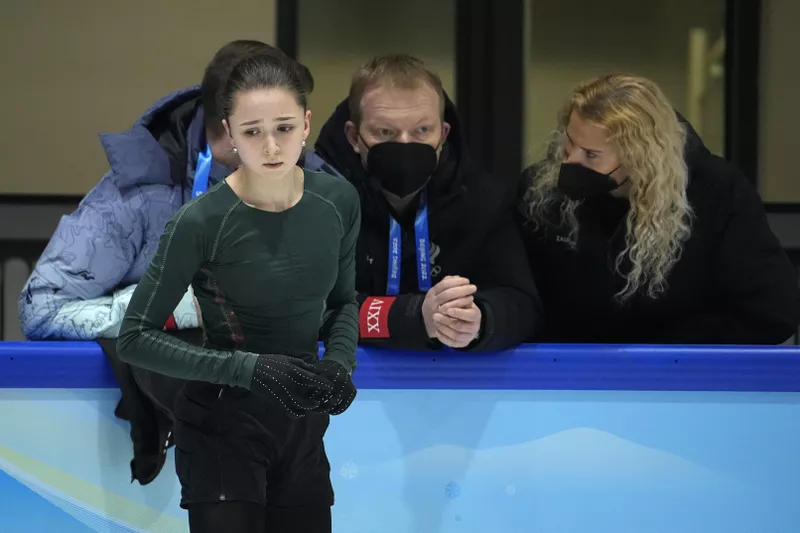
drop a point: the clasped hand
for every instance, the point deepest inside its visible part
(300, 387)
(450, 313)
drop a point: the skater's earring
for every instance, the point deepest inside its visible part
(304, 144)
(235, 150)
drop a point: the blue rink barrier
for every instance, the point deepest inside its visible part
(540, 439)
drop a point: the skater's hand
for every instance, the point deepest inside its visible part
(293, 383)
(344, 392)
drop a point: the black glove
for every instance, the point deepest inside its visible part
(292, 382)
(344, 392)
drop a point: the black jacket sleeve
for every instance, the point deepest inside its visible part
(759, 294)
(406, 328)
(507, 295)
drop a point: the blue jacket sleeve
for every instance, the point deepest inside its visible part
(87, 257)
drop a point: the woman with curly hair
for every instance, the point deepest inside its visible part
(638, 234)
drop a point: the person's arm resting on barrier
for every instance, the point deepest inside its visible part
(506, 296)
(73, 293)
(394, 322)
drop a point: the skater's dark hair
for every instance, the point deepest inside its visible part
(273, 70)
(217, 72)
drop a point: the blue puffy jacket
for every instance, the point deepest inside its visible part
(85, 277)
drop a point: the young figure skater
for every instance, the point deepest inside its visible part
(269, 252)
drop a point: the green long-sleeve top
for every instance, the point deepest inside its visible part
(265, 281)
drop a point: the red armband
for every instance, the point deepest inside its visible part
(374, 317)
(170, 325)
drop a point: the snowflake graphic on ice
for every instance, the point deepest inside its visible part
(349, 470)
(452, 490)
(511, 490)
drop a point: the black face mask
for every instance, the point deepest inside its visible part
(401, 168)
(579, 182)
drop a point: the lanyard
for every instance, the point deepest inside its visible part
(422, 249)
(201, 172)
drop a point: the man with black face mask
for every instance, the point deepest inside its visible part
(439, 260)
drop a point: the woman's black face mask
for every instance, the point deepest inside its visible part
(579, 182)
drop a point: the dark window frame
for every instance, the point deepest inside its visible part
(742, 80)
(490, 82)
(287, 27)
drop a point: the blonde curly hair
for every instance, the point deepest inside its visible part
(644, 128)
